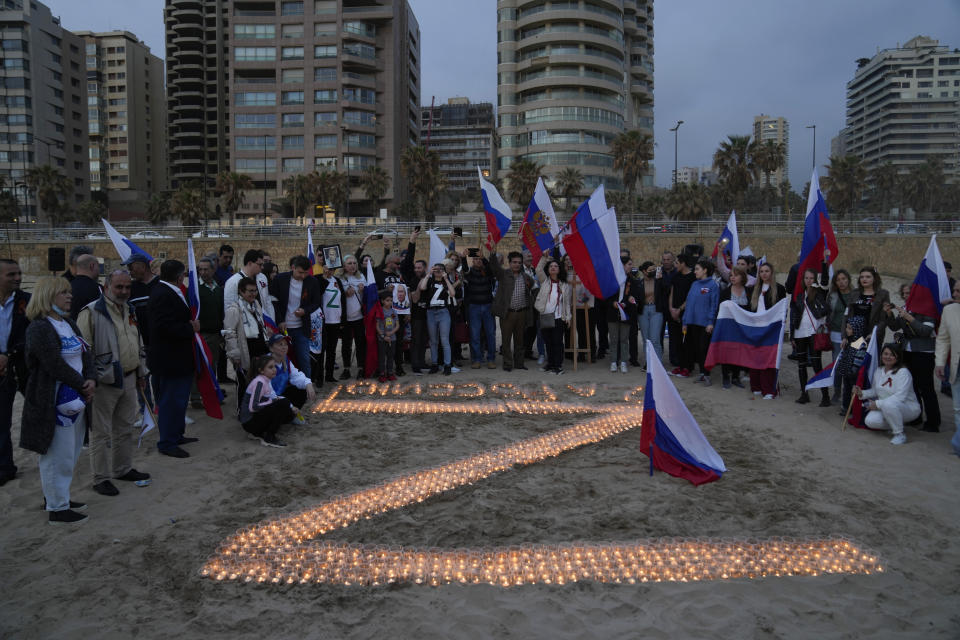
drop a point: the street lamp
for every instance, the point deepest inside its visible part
(346, 162)
(814, 127)
(265, 179)
(675, 135)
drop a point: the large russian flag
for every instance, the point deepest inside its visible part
(931, 287)
(210, 392)
(497, 212)
(669, 435)
(372, 311)
(124, 246)
(539, 228)
(592, 241)
(865, 381)
(315, 269)
(817, 235)
(747, 338)
(729, 241)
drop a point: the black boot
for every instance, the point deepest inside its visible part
(803, 399)
(824, 398)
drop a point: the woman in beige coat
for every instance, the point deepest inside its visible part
(553, 303)
(245, 332)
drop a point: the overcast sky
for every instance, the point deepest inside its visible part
(718, 63)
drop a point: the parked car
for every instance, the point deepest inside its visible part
(211, 233)
(149, 235)
(96, 236)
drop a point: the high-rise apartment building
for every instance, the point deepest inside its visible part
(770, 129)
(275, 88)
(903, 106)
(688, 175)
(571, 76)
(43, 113)
(126, 106)
(463, 135)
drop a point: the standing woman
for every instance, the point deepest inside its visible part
(621, 313)
(837, 301)
(438, 293)
(809, 311)
(245, 335)
(919, 334)
(739, 293)
(867, 302)
(652, 297)
(699, 314)
(61, 382)
(553, 303)
(352, 333)
(766, 293)
(891, 398)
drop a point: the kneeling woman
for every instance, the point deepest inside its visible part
(262, 411)
(893, 390)
(290, 382)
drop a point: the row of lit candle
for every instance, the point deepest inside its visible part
(465, 390)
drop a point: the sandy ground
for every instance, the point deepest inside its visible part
(132, 569)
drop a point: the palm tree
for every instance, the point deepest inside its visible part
(158, 207)
(232, 187)
(632, 152)
(885, 184)
(375, 182)
(9, 207)
(329, 187)
(298, 191)
(522, 180)
(924, 184)
(570, 184)
(188, 204)
(421, 167)
(688, 202)
(736, 166)
(769, 158)
(844, 183)
(52, 189)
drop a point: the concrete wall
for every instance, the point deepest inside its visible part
(894, 255)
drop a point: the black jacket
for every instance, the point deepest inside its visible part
(85, 290)
(478, 286)
(311, 297)
(818, 305)
(170, 352)
(613, 313)
(660, 293)
(18, 330)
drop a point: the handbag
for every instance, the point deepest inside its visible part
(821, 339)
(547, 321)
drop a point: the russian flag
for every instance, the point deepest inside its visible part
(438, 250)
(497, 212)
(592, 241)
(539, 228)
(817, 235)
(865, 381)
(269, 323)
(823, 378)
(729, 242)
(124, 246)
(210, 392)
(931, 287)
(747, 338)
(373, 311)
(311, 254)
(669, 435)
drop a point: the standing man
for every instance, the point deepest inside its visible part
(109, 326)
(84, 286)
(419, 337)
(170, 356)
(224, 264)
(75, 252)
(13, 375)
(478, 296)
(948, 346)
(144, 281)
(298, 295)
(513, 304)
(332, 301)
(252, 268)
(679, 289)
(210, 319)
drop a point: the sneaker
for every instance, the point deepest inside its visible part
(491, 365)
(736, 382)
(676, 371)
(707, 382)
(106, 488)
(613, 367)
(272, 441)
(176, 452)
(684, 373)
(623, 367)
(475, 365)
(457, 369)
(133, 476)
(188, 420)
(417, 372)
(67, 516)
(541, 360)
(299, 419)
(726, 382)
(898, 439)
(700, 378)
(434, 369)
(345, 375)
(768, 396)
(545, 369)
(559, 372)
(757, 393)
(448, 370)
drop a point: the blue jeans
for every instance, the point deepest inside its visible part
(173, 393)
(651, 326)
(58, 463)
(955, 387)
(438, 326)
(301, 350)
(482, 325)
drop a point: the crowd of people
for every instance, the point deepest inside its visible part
(90, 359)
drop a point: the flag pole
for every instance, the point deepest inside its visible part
(843, 427)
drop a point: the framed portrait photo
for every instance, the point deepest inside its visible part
(331, 256)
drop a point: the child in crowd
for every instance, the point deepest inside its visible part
(262, 411)
(848, 364)
(387, 328)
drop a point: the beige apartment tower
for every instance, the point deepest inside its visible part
(571, 76)
(772, 129)
(126, 106)
(276, 88)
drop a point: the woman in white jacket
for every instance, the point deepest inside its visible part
(554, 306)
(895, 401)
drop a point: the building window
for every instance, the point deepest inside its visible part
(254, 143)
(255, 99)
(325, 30)
(255, 120)
(325, 96)
(292, 120)
(292, 76)
(363, 118)
(291, 165)
(360, 50)
(291, 8)
(360, 29)
(364, 96)
(291, 31)
(324, 6)
(291, 97)
(361, 140)
(324, 164)
(325, 51)
(358, 163)
(254, 31)
(293, 142)
(325, 74)
(254, 54)
(256, 165)
(326, 141)
(324, 118)
(291, 53)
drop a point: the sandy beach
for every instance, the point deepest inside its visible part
(132, 569)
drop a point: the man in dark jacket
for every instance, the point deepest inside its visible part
(84, 286)
(298, 295)
(478, 297)
(513, 304)
(170, 356)
(13, 376)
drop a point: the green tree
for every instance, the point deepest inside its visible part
(90, 212)
(769, 158)
(375, 182)
(421, 167)
(188, 204)
(736, 167)
(688, 202)
(232, 187)
(53, 190)
(298, 193)
(158, 208)
(924, 184)
(9, 207)
(522, 180)
(884, 186)
(632, 152)
(570, 184)
(844, 183)
(330, 187)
